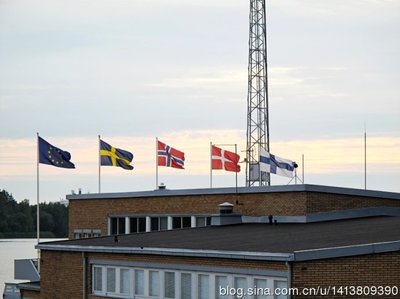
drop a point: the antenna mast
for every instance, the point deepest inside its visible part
(257, 97)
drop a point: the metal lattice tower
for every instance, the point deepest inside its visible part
(257, 98)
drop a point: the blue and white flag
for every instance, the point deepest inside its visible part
(273, 164)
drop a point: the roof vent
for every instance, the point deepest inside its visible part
(162, 186)
(225, 208)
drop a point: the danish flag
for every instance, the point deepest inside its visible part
(221, 159)
(170, 157)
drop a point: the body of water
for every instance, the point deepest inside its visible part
(11, 249)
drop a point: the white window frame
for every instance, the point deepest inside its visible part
(250, 281)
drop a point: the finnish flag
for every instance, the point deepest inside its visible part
(274, 164)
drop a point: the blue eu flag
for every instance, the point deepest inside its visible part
(51, 155)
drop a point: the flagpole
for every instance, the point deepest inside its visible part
(156, 163)
(236, 177)
(210, 164)
(37, 201)
(365, 157)
(302, 168)
(99, 165)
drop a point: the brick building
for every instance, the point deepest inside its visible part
(224, 243)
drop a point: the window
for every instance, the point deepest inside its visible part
(124, 281)
(203, 286)
(220, 282)
(169, 284)
(241, 286)
(117, 225)
(154, 283)
(282, 286)
(163, 223)
(202, 221)
(139, 282)
(186, 286)
(154, 223)
(181, 222)
(130, 282)
(111, 280)
(260, 285)
(138, 224)
(97, 279)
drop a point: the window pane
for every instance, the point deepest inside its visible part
(124, 281)
(186, 286)
(282, 286)
(186, 222)
(98, 279)
(154, 283)
(139, 282)
(200, 221)
(203, 287)
(111, 280)
(261, 286)
(240, 286)
(169, 284)
(114, 226)
(154, 223)
(121, 225)
(220, 282)
(142, 224)
(134, 226)
(163, 223)
(176, 222)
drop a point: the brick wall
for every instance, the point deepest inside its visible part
(366, 270)
(93, 214)
(61, 272)
(30, 294)
(61, 275)
(324, 202)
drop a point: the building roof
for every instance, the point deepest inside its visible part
(239, 190)
(282, 241)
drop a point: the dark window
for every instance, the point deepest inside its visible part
(186, 222)
(121, 225)
(138, 224)
(176, 222)
(181, 222)
(154, 223)
(114, 226)
(208, 221)
(117, 225)
(134, 225)
(142, 224)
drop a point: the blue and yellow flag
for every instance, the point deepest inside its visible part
(111, 156)
(51, 155)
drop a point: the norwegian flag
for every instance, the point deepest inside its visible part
(170, 157)
(221, 159)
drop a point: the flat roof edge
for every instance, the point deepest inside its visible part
(246, 255)
(239, 190)
(300, 255)
(343, 251)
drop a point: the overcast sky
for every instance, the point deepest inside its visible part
(177, 70)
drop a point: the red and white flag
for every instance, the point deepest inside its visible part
(222, 159)
(170, 157)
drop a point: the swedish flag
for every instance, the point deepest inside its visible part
(111, 156)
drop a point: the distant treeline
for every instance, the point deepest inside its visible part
(18, 220)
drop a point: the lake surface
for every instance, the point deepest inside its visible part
(11, 249)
